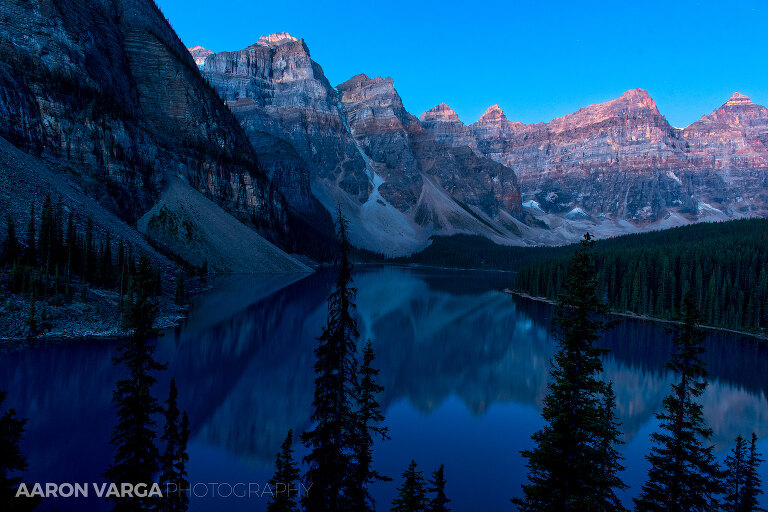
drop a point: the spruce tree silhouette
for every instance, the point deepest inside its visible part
(684, 475)
(752, 484)
(285, 481)
(173, 462)
(12, 461)
(331, 440)
(439, 503)
(136, 458)
(369, 420)
(412, 494)
(573, 466)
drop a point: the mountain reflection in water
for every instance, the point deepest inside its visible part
(464, 367)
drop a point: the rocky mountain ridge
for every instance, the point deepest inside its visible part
(619, 166)
(362, 150)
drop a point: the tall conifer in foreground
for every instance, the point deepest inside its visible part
(173, 462)
(331, 439)
(412, 494)
(285, 482)
(439, 503)
(12, 461)
(368, 424)
(735, 469)
(752, 484)
(570, 468)
(136, 458)
(684, 475)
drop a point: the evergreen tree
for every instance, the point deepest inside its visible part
(71, 241)
(46, 233)
(684, 475)
(105, 265)
(735, 464)
(173, 462)
(179, 296)
(31, 320)
(608, 461)
(12, 248)
(752, 484)
(12, 461)
(412, 494)
(369, 419)
(285, 481)
(30, 254)
(569, 468)
(89, 256)
(439, 502)
(136, 457)
(331, 439)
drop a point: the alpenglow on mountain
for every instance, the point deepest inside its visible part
(610, 168)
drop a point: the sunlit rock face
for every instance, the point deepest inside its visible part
(105, 91)
(622, 161)
(735, 136)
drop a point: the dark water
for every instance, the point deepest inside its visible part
(464, 368)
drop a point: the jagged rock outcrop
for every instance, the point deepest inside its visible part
(104, 90)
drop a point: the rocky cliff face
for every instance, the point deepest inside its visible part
(356, 146)
(444, 125)
(406, 155)
(278, 93)
(735, 136)
(621, 161)
(105, 91)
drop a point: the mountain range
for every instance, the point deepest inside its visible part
(187, 151)
(610, 168)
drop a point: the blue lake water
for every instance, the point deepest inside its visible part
(464, 368)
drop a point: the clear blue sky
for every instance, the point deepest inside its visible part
(537, 60)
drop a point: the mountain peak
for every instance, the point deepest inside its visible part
(276, 39)
(738, 99)
(638, 96)
(493, 113)
(199, 54)
(441, 112)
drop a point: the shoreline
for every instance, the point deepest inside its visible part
(635, 316)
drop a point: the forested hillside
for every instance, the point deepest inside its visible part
(723, 264)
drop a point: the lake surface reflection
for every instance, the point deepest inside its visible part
(464, 368)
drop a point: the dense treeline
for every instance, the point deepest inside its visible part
(473, 251)
(722, 264)
(56, 261)
(55, 255)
